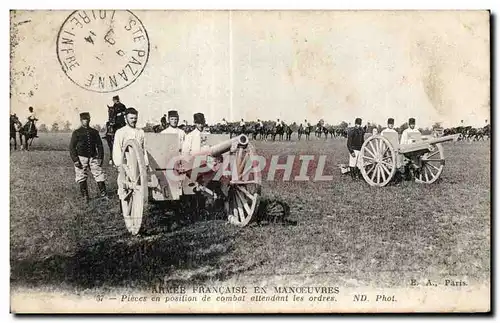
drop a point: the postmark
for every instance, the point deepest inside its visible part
(103, 50)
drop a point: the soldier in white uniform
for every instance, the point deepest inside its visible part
(390, 127)
(173, 122)
(405, 138)
(195, 140)
(128, 132)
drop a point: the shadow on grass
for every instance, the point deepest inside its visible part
(170, 249)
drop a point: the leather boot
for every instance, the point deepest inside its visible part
(102, 189)
(84, 190)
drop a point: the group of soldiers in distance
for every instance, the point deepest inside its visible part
(87, 153)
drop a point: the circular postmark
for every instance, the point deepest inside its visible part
(102, 50)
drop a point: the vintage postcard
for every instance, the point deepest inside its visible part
(170, 161)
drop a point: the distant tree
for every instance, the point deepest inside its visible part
(436, 125)
(343, 125)
(67, 127)
(55, 127)
(148, 127)
(403, 127)
(43, 128)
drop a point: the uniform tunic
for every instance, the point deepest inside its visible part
(177, 131)
(355, 139)
(86, 147)
(405, 140)
(193, 142)
(121, 137)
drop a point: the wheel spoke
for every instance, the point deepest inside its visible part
(386, 164)
(429, 164)
(240, 207)
(375, 151)
(368, 150)
(245, 203)
(252, 197)
(382, 172)
(378, 173)
(367, 157)
(384, 168)
(374, 173)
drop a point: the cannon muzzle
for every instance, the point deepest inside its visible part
(223, 147)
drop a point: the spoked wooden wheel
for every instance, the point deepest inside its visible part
(432, 165)
(378, 161)
(243, 192)
(132, 185)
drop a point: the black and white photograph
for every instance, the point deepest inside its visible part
(250, 161)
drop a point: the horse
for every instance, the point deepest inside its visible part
(15, 128)
(288, 132)
(29, 132)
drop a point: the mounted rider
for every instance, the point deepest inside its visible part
(116, 114)
(30, 124)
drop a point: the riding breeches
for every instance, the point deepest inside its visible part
(81, 174)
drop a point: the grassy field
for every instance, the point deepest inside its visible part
(340, 231)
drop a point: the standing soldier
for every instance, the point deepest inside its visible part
(390, 127)
(405, 136)
(194, 140)
(128, 132)
(355, 139)
(86, 152)
(173, 122)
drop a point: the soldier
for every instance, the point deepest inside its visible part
(193, 140)
(242, 123)
(355, 139)
(118, 112)
(390, 126)
(31, 120)
(259, 122)
(126, 133)
(405, 138)
(86, 151)
(163, 121)
(173, 121)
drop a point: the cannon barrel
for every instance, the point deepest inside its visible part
(424, 144)
(223, 147)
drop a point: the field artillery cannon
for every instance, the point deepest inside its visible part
(222, 170)
(382, 157)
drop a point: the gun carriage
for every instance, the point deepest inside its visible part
(223, 170)
(382, 157)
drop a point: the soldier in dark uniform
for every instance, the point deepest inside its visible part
(87, 152)
(118, 113)
(355, 139)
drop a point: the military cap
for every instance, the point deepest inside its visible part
(84, 116)
(131, 111)
(357, 121)
(199, 118)
(411, 121)
(116, 97)
(173, 113)
(390, 121)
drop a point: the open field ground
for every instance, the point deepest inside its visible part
(339, 231)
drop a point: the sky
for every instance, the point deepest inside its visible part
(292, 65)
